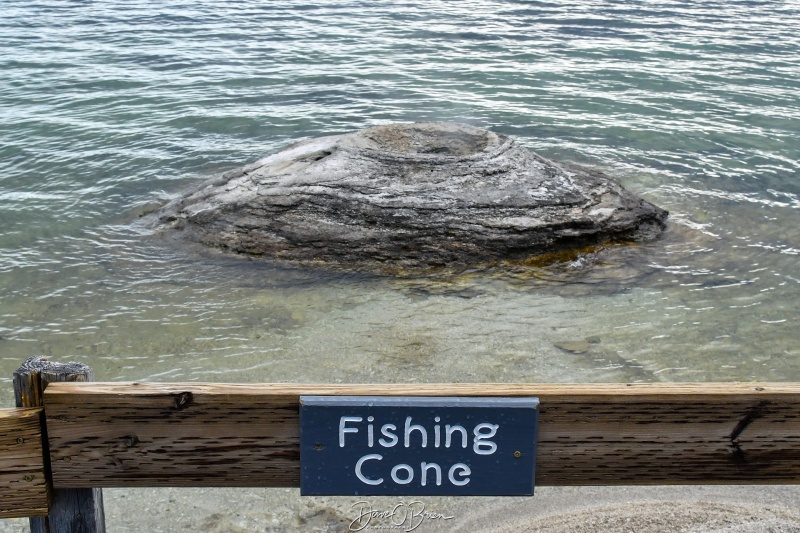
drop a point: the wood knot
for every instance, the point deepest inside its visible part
(183, 400)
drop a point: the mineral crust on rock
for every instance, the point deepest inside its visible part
(403, 196)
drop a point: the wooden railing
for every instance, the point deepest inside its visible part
(24, 488)
(96, 435)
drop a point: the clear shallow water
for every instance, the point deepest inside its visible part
(108, 110)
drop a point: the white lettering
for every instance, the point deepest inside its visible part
(465, 471)
(449, 430)
(343, 429)
(414, 427)
(361, 476)
(427, 466)
(443, 435)
(405, 481)
(481, 439)
(385, 431)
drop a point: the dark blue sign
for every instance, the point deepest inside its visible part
(413, 446)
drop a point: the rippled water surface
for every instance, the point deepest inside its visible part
(109, 109)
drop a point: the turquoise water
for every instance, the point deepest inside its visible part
(107, 110)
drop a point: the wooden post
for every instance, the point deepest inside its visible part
(71, 510)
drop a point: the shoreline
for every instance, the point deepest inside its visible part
(714, 508)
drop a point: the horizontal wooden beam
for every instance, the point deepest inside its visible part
(160, 434)
(23, 485)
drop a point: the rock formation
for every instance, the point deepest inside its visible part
(409, 196)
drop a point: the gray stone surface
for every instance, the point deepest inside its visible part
(409, 196)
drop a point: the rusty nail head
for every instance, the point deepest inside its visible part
(20, 440)
(68, 458)
(28, 478)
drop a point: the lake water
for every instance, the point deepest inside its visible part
(108, 110)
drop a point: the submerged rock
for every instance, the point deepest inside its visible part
(409, 196)
(573, 346)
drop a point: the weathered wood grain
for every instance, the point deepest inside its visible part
(159, 434)
(23, 485)
(71, 510)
